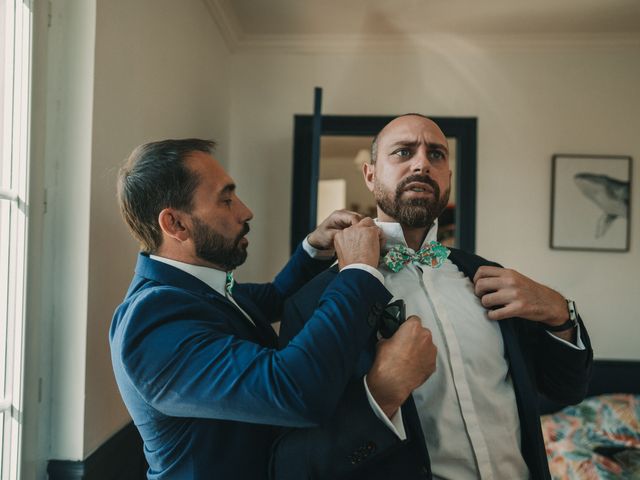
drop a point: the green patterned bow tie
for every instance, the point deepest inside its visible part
(434, 255)
(229, 283)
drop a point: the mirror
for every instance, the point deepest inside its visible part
(341, 184)
(342, 137)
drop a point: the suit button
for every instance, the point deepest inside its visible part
(377, 308)
(371, 447)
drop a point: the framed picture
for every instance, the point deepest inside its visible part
(590, 202)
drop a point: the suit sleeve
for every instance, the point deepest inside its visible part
(184, 361)
(352, 438)
(270, 297)
(561, 373)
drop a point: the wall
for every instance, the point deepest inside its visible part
(62, 153)
(531, 102)
(161, 71)
(108, 75)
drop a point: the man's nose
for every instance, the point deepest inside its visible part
(421, 163)
(247, 214)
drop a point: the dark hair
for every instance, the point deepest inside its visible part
(155, 177)
(374, 143)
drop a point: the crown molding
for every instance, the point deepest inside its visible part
(433, 42)
(241, 42)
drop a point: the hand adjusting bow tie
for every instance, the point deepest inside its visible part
(434, 255)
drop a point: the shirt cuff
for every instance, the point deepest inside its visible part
(366, 268)
(316, 253)
(394, 423)
(578, 345)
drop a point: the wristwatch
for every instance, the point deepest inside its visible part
(569, 324)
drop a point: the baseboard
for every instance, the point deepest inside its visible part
(119, 458)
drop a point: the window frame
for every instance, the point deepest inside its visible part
(14, 218)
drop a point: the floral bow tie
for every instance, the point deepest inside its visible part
(434, 255)
(228, 286)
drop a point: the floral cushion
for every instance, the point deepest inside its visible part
(597, 439)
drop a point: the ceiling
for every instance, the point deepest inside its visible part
(247, 23)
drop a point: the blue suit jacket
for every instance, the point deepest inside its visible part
(205, 387)
(354, 444)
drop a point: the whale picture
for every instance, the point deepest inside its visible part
(590, 202)
(611, 195)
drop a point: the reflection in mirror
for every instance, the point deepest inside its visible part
(341, 184)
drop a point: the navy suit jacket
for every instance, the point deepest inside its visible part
(206, 388)
(355, 444)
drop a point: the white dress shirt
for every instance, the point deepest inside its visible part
(467, 408)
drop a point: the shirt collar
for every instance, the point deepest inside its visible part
(216, 279)
(395, 236)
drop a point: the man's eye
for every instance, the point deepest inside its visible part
(437, 155)
(403, 152)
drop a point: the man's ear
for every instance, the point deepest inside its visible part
(369, 173)
(173, 224)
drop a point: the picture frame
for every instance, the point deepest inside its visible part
(590, 202)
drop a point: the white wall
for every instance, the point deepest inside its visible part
(161, 71)
(109, 75)
(530, 103)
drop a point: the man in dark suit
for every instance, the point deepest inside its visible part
(194, 354)
(501, 337)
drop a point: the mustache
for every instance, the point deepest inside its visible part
(417, 178)
(246, 229)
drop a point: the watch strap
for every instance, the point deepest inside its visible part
(569, 324)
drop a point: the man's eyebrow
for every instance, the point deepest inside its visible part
(435, 145)
(228, 188)
(415, 143)
(404, 143)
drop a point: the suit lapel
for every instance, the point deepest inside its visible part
(165, 274)
(262, 327)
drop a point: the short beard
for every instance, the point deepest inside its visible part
(214, 248)
(414, 212)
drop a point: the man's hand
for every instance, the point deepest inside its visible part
(359, 243)
(403, 363)
(322, 237)
(507, 293)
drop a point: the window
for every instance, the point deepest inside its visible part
(15, 69)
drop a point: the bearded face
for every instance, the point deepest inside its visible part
(411, 212)
(213, 247)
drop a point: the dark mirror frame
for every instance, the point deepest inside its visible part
(306, 170)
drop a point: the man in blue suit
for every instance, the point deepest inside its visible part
(194, 354)
(501, 340)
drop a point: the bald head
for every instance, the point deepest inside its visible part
(399, 120)
(409, 172)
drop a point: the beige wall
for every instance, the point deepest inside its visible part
(161, 71)
(530, 104)
(111, 74)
